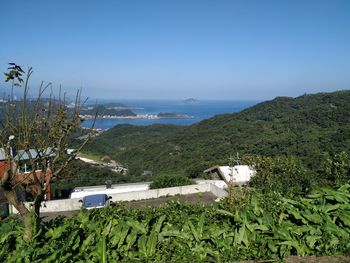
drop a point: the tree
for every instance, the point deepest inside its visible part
(336, 169)
(284, 174)
(34, 133)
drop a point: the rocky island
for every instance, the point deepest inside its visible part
(191, 101)
(121, 111)
(109, 109)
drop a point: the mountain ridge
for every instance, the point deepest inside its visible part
(306, 126)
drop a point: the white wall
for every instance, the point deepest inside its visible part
(121, 188)
(74, 204)
(238, 174)
(218, 191)
(54, 206)
(219, 183)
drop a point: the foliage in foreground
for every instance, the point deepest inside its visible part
(269, 227)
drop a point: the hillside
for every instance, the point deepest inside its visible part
(307, 127)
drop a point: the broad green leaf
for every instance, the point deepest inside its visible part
(152, 242)
(345, 217)
(123, 235)
(101, 248)
(159, 223)
(137, 226)
(86, 243)
(131, 239)
(174, 233)
(225, 213)
(142, 244)
(194, 232)
(311, 240)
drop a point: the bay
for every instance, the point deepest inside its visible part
(200, 111)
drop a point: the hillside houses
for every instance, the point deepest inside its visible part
(25, 172)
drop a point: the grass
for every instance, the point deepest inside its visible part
(91, 156)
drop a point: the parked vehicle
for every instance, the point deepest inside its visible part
(80, 192)
(96, 201)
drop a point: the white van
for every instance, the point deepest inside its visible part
(96, 201)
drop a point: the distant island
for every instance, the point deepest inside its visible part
(121, 111)
(109, 109)
(191, 101)
(173, 115)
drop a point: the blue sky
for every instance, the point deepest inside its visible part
(237, 50)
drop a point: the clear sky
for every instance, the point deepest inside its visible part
(238, 50)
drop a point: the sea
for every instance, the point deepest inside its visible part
(201, 110)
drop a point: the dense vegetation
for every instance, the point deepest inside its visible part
(264, 227)
(288, 176)
(169, 180)
(310, 127)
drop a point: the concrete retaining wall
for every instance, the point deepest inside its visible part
(80, 192)
(219, 183)
(54, 206)
(74, 204)
(217, 191)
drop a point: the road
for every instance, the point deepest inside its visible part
(199, 198)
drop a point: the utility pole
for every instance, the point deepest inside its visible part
(232, 162)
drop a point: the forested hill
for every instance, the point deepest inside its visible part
(308, 126)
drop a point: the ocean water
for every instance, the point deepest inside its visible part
(200, 111)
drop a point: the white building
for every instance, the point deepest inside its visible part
(239, 174)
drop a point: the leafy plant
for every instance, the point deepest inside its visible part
(266, 227)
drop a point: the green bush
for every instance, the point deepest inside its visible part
(336, 169)
(196, 169)
(170, 180)
(283, 174)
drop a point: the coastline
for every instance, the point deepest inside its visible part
(138, 116)
(171, 111)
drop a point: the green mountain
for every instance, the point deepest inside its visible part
(308, 127)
